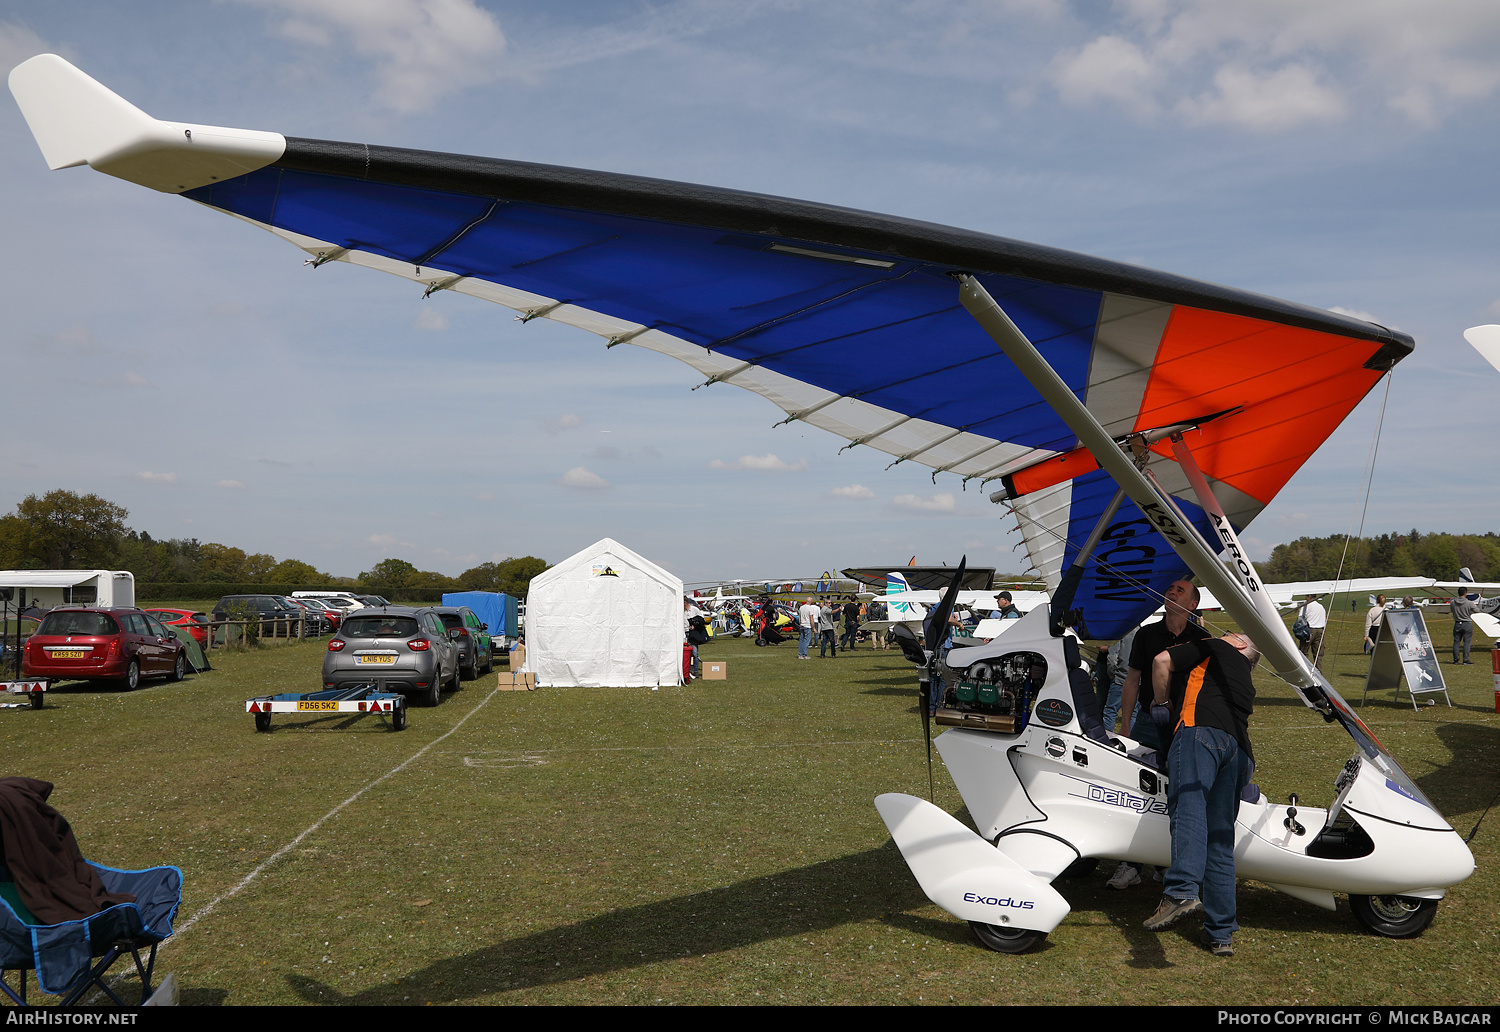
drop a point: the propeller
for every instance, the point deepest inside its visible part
(936, 631)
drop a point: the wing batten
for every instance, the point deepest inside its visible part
(834, 226)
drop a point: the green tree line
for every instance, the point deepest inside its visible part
(1412, 554)
(63, 530)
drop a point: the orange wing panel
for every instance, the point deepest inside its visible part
(1293, 388)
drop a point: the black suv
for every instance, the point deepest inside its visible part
(476, 648)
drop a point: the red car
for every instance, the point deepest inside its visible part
(85, 643)
(195, 624)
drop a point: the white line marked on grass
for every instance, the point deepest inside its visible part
(717, 746)
(245, 881)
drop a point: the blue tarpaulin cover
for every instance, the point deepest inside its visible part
(493, 608)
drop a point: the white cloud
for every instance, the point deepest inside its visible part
(387, 541)
(156, 478)
(429, 318)
(566, 421)
(17, 43)
(856, 491)
(1281, 99)
(230, 485)
(934, 504)
(580, 477)
(1108, 68)
(1355, 313)
(767, 463)
(1271, 65)
(422, 49)
(135, 380)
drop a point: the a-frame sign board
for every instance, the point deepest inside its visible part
(1404, 654)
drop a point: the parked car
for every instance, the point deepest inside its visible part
(476, 647)
(318, 622)
(342, 600)
(278, 615)
(332, 613)
(195, 624)
(98, 644)
(409, 650)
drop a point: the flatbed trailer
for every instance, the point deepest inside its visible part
(364, 699)
(33, 689)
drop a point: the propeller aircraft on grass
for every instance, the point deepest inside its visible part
(1135, 420)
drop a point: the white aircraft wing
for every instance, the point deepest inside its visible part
(1292, 593)
(1486, 341)
(1487, 624)
(984, 601)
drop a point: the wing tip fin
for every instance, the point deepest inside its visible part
(77, 120)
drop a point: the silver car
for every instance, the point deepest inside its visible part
(406, 650)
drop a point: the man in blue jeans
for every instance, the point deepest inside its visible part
(807, 623)
(1208, 686)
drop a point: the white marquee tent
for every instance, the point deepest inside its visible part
(604, 617)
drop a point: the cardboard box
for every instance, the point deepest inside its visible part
(517, 657)
(715, 671)
(517, 682)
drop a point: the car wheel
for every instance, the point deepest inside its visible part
(263, 722)
(398, 718)
(132, 679)
(434, 694)
(179, 668)
(458, 680)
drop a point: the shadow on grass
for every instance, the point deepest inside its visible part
(334, 722)
(874, 884)
(1468, 782)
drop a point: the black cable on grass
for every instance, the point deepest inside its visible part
(1482, 816)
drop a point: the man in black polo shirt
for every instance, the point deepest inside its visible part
(1172, 629)
(1208, 687)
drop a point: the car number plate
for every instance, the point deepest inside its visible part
(73, 654)
(322, 706)
(375, 659)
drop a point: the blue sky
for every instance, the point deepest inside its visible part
(191, 369)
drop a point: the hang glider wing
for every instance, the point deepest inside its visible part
(844, 319)
(936, 578)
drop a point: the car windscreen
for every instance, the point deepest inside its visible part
(381, 626)
(78, 623)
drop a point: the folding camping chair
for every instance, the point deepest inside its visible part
(62, 955)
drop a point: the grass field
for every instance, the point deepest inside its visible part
(708, 844)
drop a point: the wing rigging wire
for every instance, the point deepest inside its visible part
(1369, 482)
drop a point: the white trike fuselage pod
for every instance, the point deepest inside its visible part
(1047, 794)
